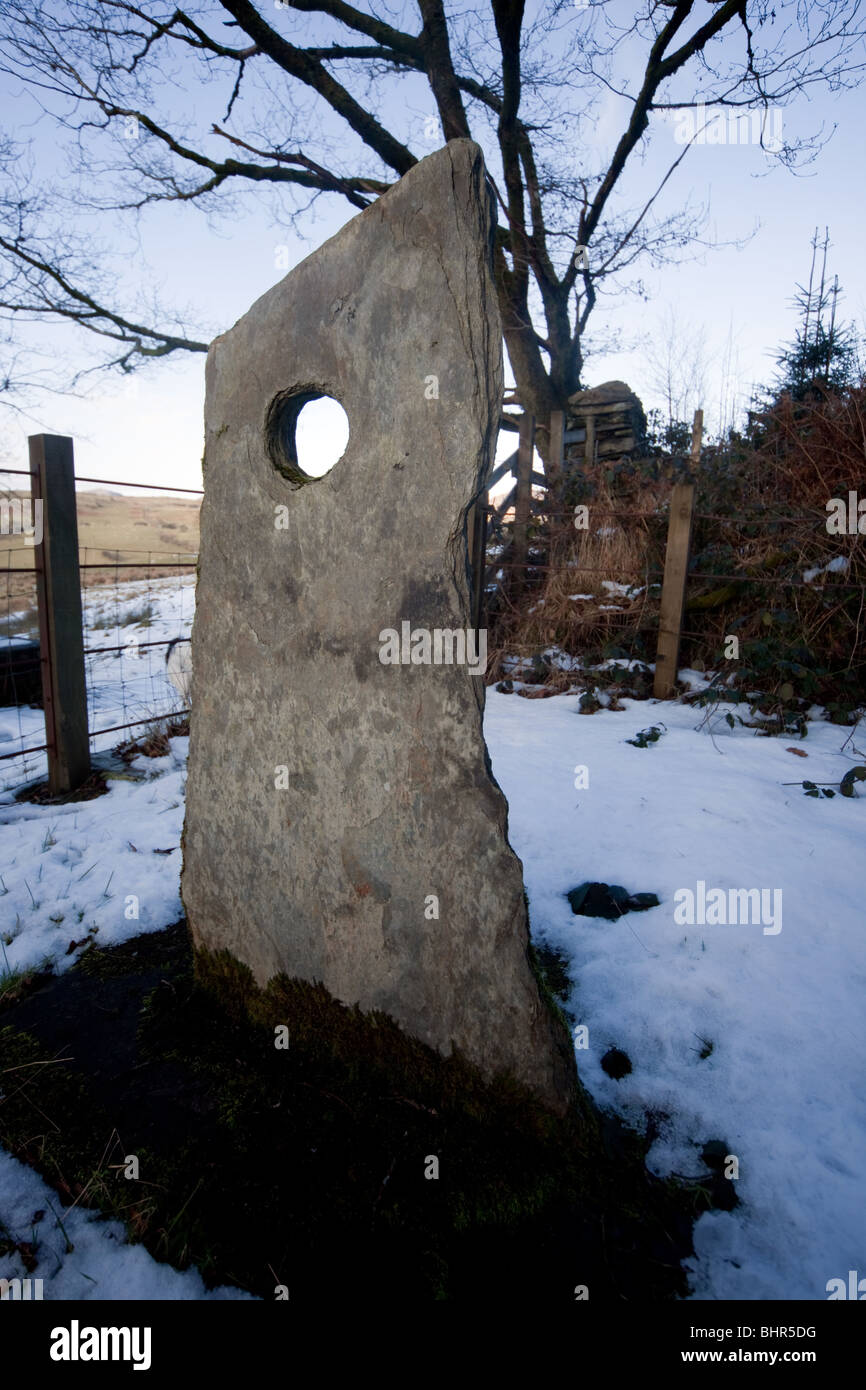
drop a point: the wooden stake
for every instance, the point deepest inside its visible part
(676, 574)
(61, 637)
(523, 499)
(557, 450)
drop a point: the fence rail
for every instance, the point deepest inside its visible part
(110, 482)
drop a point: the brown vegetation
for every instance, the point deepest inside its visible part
(759, 558)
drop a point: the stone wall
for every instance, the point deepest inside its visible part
(614, 422)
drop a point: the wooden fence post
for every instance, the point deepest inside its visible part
(589, 443)
(523, 499)
(676, 574)
(61, 636)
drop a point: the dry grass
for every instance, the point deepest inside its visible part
(569, 603)
(760, 526)
(42, 795)
(155, 741)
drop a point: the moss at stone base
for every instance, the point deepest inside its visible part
(373, 1046)
(550, 968)
(309, 1166)
(348, 1034)
(564, 1186)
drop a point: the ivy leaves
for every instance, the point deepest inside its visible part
(846, 786)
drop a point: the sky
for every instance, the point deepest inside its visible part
(739, 296)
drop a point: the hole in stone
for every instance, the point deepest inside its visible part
(306, 433)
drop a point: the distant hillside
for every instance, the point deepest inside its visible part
(112, 529)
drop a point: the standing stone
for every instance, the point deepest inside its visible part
(377, 860)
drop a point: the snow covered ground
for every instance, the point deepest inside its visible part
(105, 869)
(121, 686)
(784, 1084)
(102, 870)
(779, 999)
(101, 1264)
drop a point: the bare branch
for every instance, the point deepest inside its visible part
(312, 73)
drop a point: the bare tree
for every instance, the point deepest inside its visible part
(290, 99)
(677, 360)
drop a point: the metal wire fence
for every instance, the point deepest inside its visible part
(136, 602)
